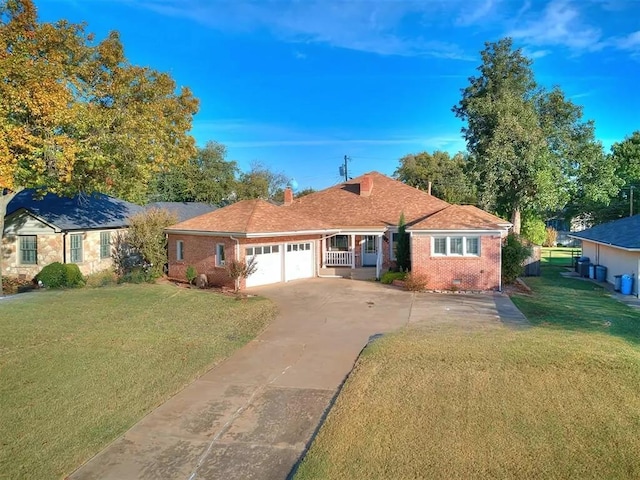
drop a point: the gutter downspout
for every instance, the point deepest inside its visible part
(64, 247)
(237, 255)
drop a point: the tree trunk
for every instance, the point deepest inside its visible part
(516, 220)
(5, 198)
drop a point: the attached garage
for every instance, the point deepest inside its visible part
(296, 260)
(268, 264)
(282, 242)
(299, 261)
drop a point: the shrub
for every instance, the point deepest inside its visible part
(102, 279)
(137, 275)
(514, 253)
(388, 277)
(58, 275)
(552, 237)
(191, 274)
(72, 275)
(534, 230)
(52, 275)
(146, 236)
(13, 285)
(237, 269)
(415, 282)
(403, 254)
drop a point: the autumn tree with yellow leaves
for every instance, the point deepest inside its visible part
(76, 116)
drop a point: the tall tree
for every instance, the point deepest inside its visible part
(446, 175)
(588, 176)
(77, 117)
(625, 161)
(510, 162)
(261, 182)
(208, 177)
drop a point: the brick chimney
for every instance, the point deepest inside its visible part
(366, 185)
(288, 196)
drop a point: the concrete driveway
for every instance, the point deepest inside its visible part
(252, 416)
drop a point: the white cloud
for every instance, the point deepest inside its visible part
(471, 15)
(369, 26)
(560, 24)
(629, 42)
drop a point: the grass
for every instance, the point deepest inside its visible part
(559, 256)
(79, 367)
(556, 401)
(579, 305)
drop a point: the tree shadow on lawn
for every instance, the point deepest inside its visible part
(577, 305)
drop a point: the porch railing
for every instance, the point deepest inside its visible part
(338, 259)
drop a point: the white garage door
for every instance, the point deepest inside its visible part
(269, 265)
(298, 261)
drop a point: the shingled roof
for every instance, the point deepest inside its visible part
(346, 206)
(623, 233)
(184, 210)
(250, 216)
(461, 217)
(82, 212)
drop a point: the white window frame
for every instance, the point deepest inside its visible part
(220, 255)
(464, 246)
(179, 250)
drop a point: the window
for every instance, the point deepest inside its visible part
(455, 246)
(440, 246)
(28, 249)
(460, 246)
(473, 246)
(105, 245)
(179, 250)
(394, 245)
(75, 240)
(339, 242)
(220, 255)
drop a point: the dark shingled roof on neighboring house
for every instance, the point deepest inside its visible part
(82, 212)
(623, 233)
(184, 210)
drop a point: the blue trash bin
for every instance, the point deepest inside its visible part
(592, 271)
(626, 284)
(601, 273)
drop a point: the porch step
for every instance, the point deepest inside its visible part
(360, 273)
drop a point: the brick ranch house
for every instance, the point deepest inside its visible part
(348, 230)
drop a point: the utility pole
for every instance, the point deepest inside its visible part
(346, 174)
(343, 168)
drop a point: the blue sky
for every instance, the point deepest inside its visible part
(298, 84)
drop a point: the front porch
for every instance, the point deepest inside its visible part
(344, 253)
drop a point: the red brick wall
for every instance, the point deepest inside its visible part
(474, 273)
(199, 251)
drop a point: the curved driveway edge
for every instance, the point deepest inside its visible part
(252, 416)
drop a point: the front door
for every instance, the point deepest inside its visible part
(369, 251)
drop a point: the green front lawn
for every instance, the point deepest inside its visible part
(79, 367)
(556, 401)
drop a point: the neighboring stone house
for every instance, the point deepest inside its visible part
(349, 230)
(79, 230)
